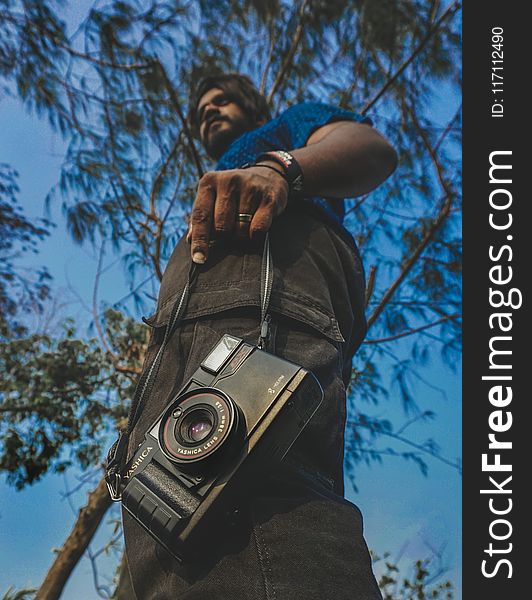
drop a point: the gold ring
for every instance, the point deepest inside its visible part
(244, 217)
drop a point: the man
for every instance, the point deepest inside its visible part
(296, 538)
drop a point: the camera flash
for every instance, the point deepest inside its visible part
(220, 353)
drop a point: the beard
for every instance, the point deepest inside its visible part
(219, 137)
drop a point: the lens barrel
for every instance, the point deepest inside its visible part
(196, 425)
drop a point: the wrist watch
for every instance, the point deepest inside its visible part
(291, 171)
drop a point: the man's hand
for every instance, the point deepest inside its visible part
(239, 202)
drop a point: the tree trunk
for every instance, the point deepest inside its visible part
(67, 558)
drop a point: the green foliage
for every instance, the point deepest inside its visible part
(31, 40)
(20, 290)
(422, 583)
(59, 398)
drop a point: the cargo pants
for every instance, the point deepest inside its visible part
(295, 537)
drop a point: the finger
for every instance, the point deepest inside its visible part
(201, 219)
(249, 201)
(225, 207)
(272, 205)
(263, 218)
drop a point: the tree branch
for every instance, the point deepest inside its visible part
(451, 9)
(127, 370)
(412, 331)
(370, 286)
(177, 105)
(448, 129)
(269, 60)
(67, 558)
(159, 223)
(431, 231)
(285, 67)
(104, 64)
(404, 440)
(407, 267)
(95, 316)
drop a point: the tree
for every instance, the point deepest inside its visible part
(118, 88)
(422, 582)
(21, 290)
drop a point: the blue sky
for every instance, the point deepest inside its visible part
(404, 512)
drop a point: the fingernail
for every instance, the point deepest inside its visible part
(199, 258)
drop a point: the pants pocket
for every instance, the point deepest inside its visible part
(242, 322)
(319, 450)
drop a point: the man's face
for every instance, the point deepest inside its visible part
(221, 121)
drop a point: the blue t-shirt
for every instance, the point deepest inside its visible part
(288, 131)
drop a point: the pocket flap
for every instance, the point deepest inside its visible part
(207, 303)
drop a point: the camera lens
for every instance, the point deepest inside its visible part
(197, 424)
(199, 430)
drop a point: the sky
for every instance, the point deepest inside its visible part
(405, 513)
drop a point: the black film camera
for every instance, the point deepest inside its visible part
(237, 416)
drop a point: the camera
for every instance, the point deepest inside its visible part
(236, 417)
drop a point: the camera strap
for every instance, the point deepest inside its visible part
(117, 453)
(266, 283)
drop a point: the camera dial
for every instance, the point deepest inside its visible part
(196, 425)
